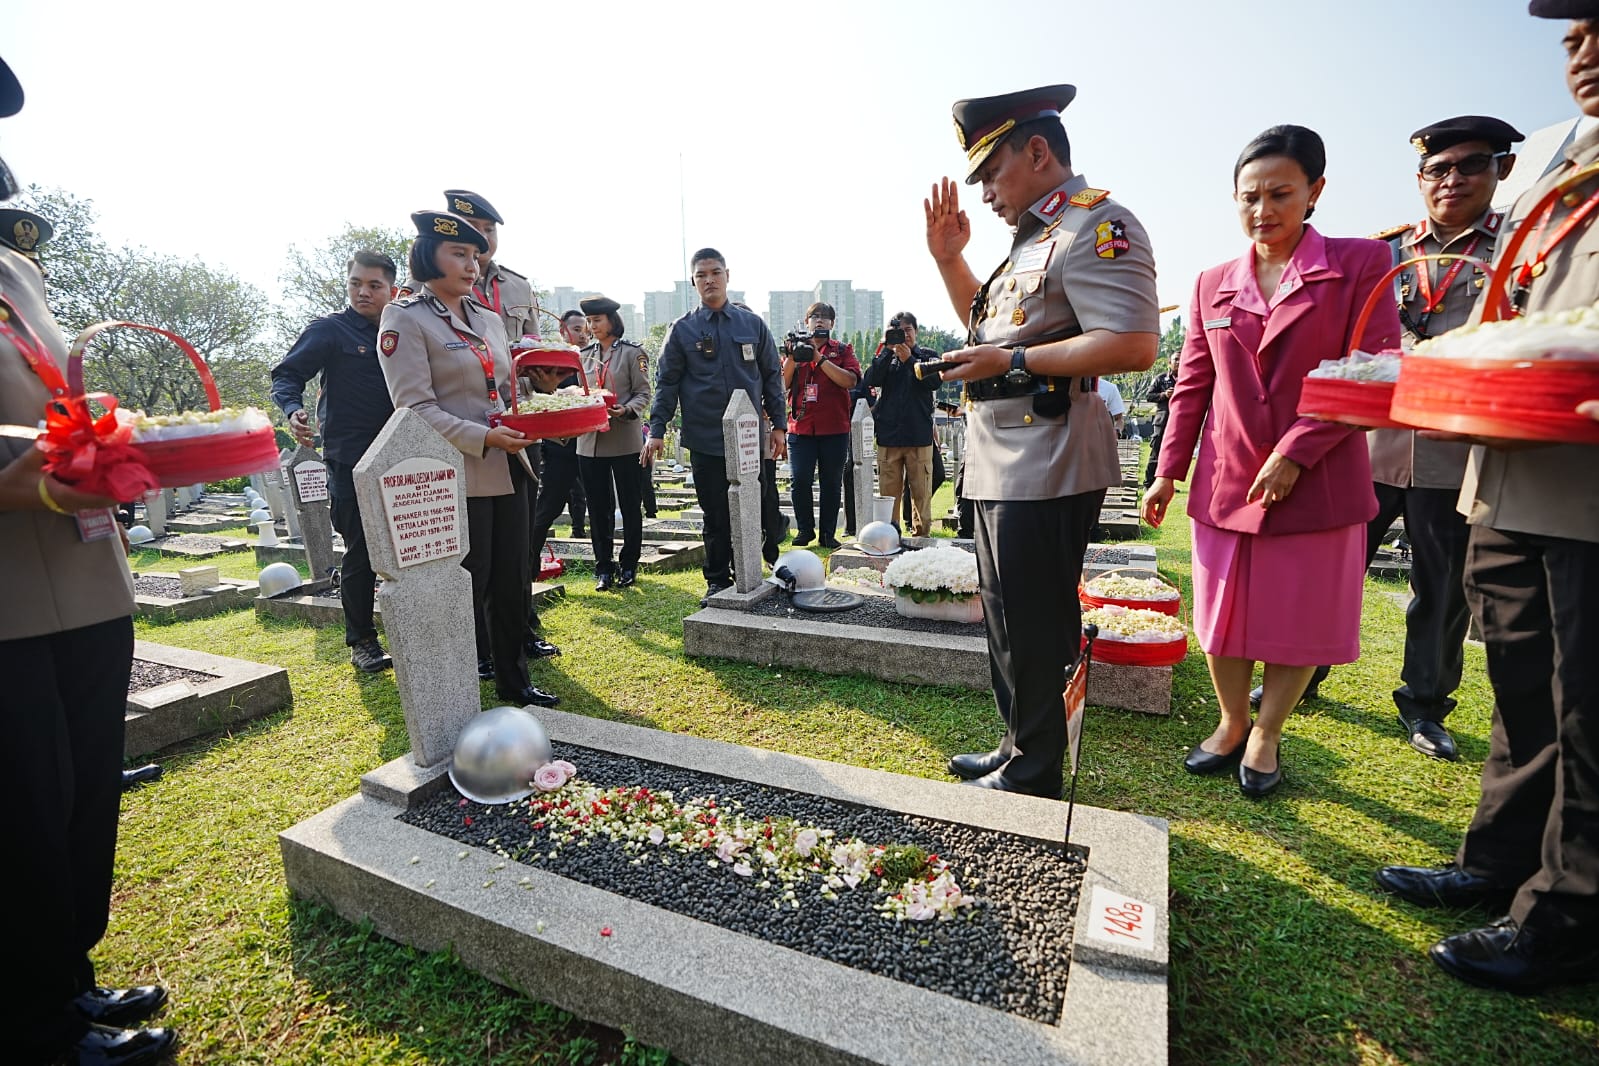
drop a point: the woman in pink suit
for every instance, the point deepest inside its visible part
(1279, 503)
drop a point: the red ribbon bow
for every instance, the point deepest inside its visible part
(93, 455)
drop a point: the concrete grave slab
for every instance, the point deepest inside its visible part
(324, 609)
(655, 557)
(292, 552)
(181, 710)
(194, 545)
(716, 997)
(190, 597)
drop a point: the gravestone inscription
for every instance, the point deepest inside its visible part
(308, 494)
(743, 448)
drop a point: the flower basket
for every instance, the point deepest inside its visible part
(591, 417)
(1124, 639)
(1533, 398)
(1354, 403)
(1171, 604)
(941, 605)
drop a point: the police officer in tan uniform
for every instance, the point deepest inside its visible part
(1463, 159)
(446, 358)
(1532, 579)
(608, 461)
(1076, 299)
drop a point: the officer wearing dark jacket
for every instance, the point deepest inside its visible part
(902, 421)
(355, 404)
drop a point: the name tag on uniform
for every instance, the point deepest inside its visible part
(749, 352)
(1036, 257)
(458, 344)
(96, 525)
(1218, 323)
(810, 392)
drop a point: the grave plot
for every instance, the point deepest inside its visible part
(656, 557)
(322, 606)
(192, 592)
(177, 694)
(194, 545)
(1062, 959)
(1098, 559)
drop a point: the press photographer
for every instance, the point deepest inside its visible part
(903, 416)
(818, 373)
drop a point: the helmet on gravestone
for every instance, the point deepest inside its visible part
(497, 755)
(259, 515)
(140, 535)
(798, 571)
(278, 578)
(878, 538)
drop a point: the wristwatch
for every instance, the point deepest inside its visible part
(1018, 364)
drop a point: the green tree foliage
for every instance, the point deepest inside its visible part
(313, 281)
(1135, 387)
(655, 338)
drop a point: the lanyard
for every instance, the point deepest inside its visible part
(482, 297)
(1534, 267)
(485, 358)
(1431, 302)
(33, 350)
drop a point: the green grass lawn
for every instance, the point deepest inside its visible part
(1282, 949)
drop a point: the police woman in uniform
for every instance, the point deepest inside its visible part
(608, 461)
(445, 356)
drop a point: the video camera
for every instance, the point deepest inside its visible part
(893, 335)
(798, 346)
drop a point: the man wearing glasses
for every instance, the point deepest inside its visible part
(718, 347)
(818, 373)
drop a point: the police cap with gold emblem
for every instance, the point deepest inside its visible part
(1497, 134)
(470, 204)
(598, 305)
(1564, 9)
(446, 226)
(980, 124)
(24, 231)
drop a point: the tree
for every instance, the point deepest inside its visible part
(312, 283)
(655, 339)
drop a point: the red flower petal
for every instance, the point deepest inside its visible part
(605, 931)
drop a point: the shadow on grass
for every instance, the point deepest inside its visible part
(1265, 972)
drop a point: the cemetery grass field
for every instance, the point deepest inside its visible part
(1282, 948)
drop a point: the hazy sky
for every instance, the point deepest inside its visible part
(808, 133)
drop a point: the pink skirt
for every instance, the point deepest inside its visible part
(1292, 599)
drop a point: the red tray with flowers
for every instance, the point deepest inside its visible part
(566, 413)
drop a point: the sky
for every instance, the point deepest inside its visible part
(799, 139)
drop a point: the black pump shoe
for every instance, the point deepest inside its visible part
(970, 767)
(1200, 761)
(1257, 783)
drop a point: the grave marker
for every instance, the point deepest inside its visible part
(155, 512)
(308, 493)
(194, 580)
(743, 448)
(863, 451)
(411, 487)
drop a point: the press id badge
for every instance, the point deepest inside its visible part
(96, 525)
(749, 352)
(810, 392)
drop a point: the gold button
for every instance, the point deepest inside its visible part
(1571, 199)
(1538, 269)
(5, 315)
(1018, 317)
(1027, 420)
(1011, 285)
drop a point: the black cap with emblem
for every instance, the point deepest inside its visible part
(1497, 134)
(471, 205)
(24, 231)
(981, 123)
(444, 226)
(1564, 9)
(598, 305)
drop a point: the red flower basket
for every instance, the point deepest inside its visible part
(1172, 606)
(1517, 399)
(573, 422)
(1126, 653)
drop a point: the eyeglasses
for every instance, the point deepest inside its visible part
(1469, 166)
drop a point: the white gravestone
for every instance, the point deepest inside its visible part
(863, 450)
(743, 449)
(411, 488)
(290, 513)
(272, 492)
(195, 580)
(308, 492)
(155, 512)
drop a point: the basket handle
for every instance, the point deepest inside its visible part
(1495, 290)
(75, 358)
(1519, 238)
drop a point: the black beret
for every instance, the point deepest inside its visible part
(24, 231)
(981, 123)
(470, 204)
(1452, 131)
(448, 227)
(10, 92)
(1564, 9)
(598, 305)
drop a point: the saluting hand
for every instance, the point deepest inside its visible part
(948, 228)
(1274, 482)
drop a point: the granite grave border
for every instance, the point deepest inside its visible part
(168, 714)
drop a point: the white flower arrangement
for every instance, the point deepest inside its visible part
(862, 576)
(1133, 626)
(1123, 587)
(565, 399)
(1361, 366)
(934, 574)
(1544, 335)
(147, 429)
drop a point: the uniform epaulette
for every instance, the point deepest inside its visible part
(1392, 231)
(410, 298)
(1087, 197)
(507, 270)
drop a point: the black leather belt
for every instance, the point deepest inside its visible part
(1007, 387)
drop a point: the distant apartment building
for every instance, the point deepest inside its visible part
(857, 309)
(562, 299)
(667, 307)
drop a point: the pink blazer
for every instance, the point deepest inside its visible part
(1238, 384)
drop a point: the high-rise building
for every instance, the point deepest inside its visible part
(785, 308)
(854, 309)
(668, 307)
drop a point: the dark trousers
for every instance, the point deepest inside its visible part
(813, 458)
(967, 509)
(1537, 823)
(710, 489)
(61, 709)
(611, 483)
(498, 563)
(849, 497)
(558, 484)
(1436, 619)
(1154, 450)
(646, 484)
(356, 581)
(773, 524)
(1029, 560)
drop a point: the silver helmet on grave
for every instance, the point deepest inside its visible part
(799, 570)
(497, 755)
(278, 578)
(878, 538)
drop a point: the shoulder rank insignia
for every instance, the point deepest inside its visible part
(1391, 232)
(507, 270)
(410, 298)
(1493, 221)
(1088, 197)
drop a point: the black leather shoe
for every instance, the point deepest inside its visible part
(369, 657)
(975, 765)
(132, 779)
(1200, 761)
(539, 649)
(1506, 957)
(1312, 690)
(603, 583)
(580, 534)
(1000, 783)
(530, 696)
(710, 590)
(120, 1007)
(1257, 784)
(830, 542)
(485, 669)
(1429, 738)
(802, 539)
(1442, 886)
(626, 578)
(105, 1046)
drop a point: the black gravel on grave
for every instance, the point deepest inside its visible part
(877, 612)
(168, 588)
(1010, 952)
(151, 675)
(192, 541)
(1107, 557)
